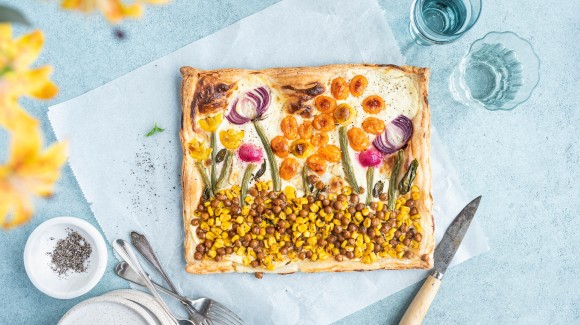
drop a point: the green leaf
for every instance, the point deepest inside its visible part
(9, 15)
(154, 130)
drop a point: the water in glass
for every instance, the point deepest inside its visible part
(442, 21)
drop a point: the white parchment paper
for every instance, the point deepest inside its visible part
(132, 181)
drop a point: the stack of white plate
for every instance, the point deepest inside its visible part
(124, 306)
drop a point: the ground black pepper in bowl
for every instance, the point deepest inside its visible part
(70, 254)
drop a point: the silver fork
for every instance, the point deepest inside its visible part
(126, 252)
(142, 245)
(217, 312)
(205, 306)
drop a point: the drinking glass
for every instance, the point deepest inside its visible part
(442, 21)
(499, 72)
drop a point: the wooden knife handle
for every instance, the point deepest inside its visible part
(420, 305)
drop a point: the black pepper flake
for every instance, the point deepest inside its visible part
(70, 254)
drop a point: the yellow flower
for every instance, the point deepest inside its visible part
(231, 139)
(16, 55)
(198, 150)
(114, 10)
(211, 123)
(30, 171)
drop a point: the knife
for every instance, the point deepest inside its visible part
(443, 255)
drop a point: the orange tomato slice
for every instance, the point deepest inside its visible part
(373, 125)
(280, 146)
(358, 85)
(289, 168)
(316, 163)
(319, 139)
(339, 88)
(289, 127)
(325, 104)
(358, 139)
(324, 123)
(330, 153)
(373, 104)
(305, 130)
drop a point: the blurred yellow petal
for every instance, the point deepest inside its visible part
(35, 83)
(15, 209)
(5, 32)
(28, 48)
(113, 10)
(29, 171)
(48, 91)
(156, 2)
(70, 4)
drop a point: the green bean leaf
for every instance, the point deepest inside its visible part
(408, 178)
(260, 171)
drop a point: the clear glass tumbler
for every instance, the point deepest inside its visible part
(442, 21)
(499, 72)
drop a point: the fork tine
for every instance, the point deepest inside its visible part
(218, 318)
(225, 310)
(223, 315)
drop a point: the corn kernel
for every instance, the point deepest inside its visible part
(380, 206)
(414, 188)
(290, 192)
(204, 226)
(212, 253)
(400, 254)
(367, 222)
(399, 248)
(366, 259)
(392, 253)
(358, 216)
(347, 190)
(373, 257)
(210, 236)
(402, 237)
(365, 211)
(312, 241)
(302, 228)
(246, 260)
(359, 241)
(383, 254)
(358, 252)
(270, 267)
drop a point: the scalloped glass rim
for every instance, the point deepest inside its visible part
(535, 75)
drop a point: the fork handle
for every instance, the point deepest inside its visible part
(142, 245)
(126, 253)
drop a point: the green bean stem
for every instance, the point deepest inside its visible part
(245, 181)
(370, 181)
(270, 155)
(204, 177)
(305, 180)
(346, 162)
(226, 170)
(213, 143)
(393, 181)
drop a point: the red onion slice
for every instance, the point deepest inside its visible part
(250, 106)
(395, 136)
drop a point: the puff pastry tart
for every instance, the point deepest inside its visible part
(307, 169)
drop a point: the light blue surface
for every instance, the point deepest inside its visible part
(524, 162)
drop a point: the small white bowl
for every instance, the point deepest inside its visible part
(37, 262)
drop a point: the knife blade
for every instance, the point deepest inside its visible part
(444, 253)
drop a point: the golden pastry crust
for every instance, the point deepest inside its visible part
(207, 92)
